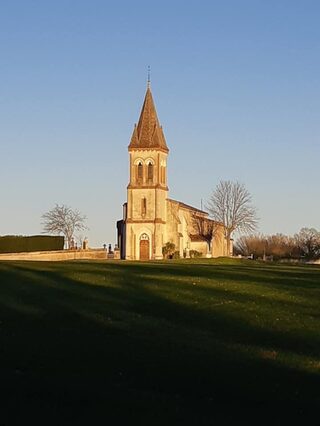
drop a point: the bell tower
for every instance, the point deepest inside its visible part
(147, 191)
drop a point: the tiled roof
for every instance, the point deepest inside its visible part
(196, 238)
(148, 133)
(186, 206)
(196, 211)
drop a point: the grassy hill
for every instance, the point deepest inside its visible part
(177, 342)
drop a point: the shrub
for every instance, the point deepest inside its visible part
(195, 253)
(176, 255)
(168, 250)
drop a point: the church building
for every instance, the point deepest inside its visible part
(150, 218)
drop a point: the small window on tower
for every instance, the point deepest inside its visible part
(150, 172)
(163, 174)
(140, 172)
(143, 206)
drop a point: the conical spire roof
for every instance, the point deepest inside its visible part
(148, 133)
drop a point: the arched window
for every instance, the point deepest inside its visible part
(150, 172)
(140, 172)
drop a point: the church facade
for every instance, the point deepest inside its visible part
(150, 218)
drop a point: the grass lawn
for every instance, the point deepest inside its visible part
(178, 342)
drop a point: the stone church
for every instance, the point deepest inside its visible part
(150, 218)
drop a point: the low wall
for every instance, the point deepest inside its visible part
(57, 255)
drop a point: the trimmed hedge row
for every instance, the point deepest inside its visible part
(18, 243)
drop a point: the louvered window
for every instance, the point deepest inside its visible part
(140, 172)
(150, 172)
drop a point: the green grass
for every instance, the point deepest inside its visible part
(177, 342)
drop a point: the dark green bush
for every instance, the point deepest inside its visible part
(19, 243)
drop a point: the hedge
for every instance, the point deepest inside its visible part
(19, 243)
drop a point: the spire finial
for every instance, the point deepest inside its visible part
(149, 78)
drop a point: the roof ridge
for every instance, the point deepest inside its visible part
(187, 206)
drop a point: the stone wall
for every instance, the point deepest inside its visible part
(57, 255)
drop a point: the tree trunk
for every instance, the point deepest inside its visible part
(69, 239)
(228, 244)
(209, 254)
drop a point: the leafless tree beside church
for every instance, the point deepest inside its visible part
(63, 220)
(231, 204)
(205, 228)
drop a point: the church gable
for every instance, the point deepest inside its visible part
(180, 226)
(181, 210)
(189, 229)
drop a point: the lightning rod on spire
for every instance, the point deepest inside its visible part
(149, 76)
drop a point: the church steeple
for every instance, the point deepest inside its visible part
(148, 133)
(146, 207)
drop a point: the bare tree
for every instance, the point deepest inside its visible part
(63, 220)
(308, 241)
(205, 228)
(230, 204)
(255, 245)
(305, 244)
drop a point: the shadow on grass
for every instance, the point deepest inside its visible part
(127, 338)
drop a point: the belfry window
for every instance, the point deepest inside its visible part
(150, 172)
(140, 172)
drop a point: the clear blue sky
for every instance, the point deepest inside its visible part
(236, 84)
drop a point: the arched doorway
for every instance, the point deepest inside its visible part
(144, 247)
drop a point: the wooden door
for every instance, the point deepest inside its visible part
(144, 249)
